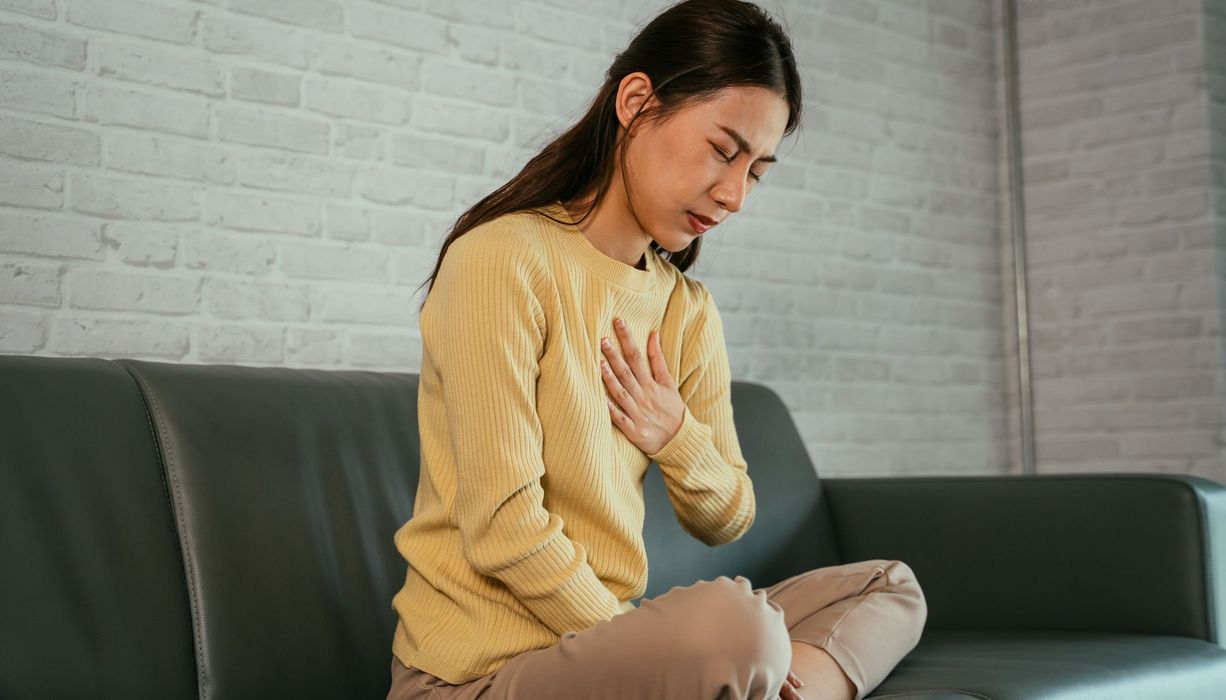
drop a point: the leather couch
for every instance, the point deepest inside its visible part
(213, 531)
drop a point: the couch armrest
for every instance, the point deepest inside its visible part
(1119, 552)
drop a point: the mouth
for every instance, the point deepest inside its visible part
(699, 224)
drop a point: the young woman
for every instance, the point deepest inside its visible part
(525, 548)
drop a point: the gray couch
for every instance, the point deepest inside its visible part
(182, 531)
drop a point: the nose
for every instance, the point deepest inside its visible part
(730, 192)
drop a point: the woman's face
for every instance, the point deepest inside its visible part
(703, 160)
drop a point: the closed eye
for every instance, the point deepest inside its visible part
(728, 159)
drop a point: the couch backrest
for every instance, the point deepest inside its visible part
(267, 552)
(287, 485)
(92, 595)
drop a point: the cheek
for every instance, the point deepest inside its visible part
(693, 170)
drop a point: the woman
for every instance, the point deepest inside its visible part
(525, 548)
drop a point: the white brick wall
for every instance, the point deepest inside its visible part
(1122, 254)
(266, 181)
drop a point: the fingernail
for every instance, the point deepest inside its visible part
(621, 323)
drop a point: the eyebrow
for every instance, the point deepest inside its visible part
(744, 145)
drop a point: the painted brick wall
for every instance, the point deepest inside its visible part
(265, 182)
(1122, 249)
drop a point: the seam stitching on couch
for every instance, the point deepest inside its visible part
(170, 477)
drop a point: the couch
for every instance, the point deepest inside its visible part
(215, 531)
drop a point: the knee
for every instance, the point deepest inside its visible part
(901, 580)
(739, 625)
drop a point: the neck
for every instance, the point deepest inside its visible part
(611, 228)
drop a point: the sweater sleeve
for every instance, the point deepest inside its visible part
(486, 334)
(705, 473)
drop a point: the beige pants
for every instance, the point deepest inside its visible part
(710, 640)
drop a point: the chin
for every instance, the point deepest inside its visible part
(675, 246)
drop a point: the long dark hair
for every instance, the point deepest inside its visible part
(690, 51)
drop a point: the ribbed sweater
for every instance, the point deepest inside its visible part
(528, 518)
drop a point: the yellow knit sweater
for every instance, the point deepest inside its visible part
(528, 519)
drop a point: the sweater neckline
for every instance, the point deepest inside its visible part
(597, 262)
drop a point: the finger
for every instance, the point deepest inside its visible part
(616, 390)
(620, 419)
(625, 375)
(659, 370)
(633, 356)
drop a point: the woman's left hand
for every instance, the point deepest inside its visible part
(646, 405)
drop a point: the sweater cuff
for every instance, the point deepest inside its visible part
(558, 585)
(687, 446)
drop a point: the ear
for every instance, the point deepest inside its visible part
(634, 92)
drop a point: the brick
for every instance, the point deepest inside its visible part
(472, 83)
(218, 252)
(28, 186)
(169, 24)
(108, 105)
(1177, 206)
(399, 351)
(310, 347)
(30, 284)
(260, 85)
(50, 236)
(133, 198)
(285, 46)
(161, 67)
(558, 26)
(43, 47)
(358, 59)
(180, 159)
(50, 142)
(377, 306)
(1140, 298)
(475, 12)
(1155, 329)
(359, 142)
(400, 186)
(246, 343)
(275, 129)
(1168, 89)
(413, 30)
(141, 244)
(425, 153)
(334, 261)
(1168, 444)
(324, 15)
(399, 229)
(476, 44)
(261, 212)
(295, 173)
(1192, 176)
(356, 100)
(39, 93)
(22, 333)
(1076, 449)
(346, 223)
(98, 337)
(549, 99)
(1118, 157)
(449, 117)
(35, 8)
(106, 290)
(233, 298)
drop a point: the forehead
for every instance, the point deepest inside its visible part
(756, 113)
